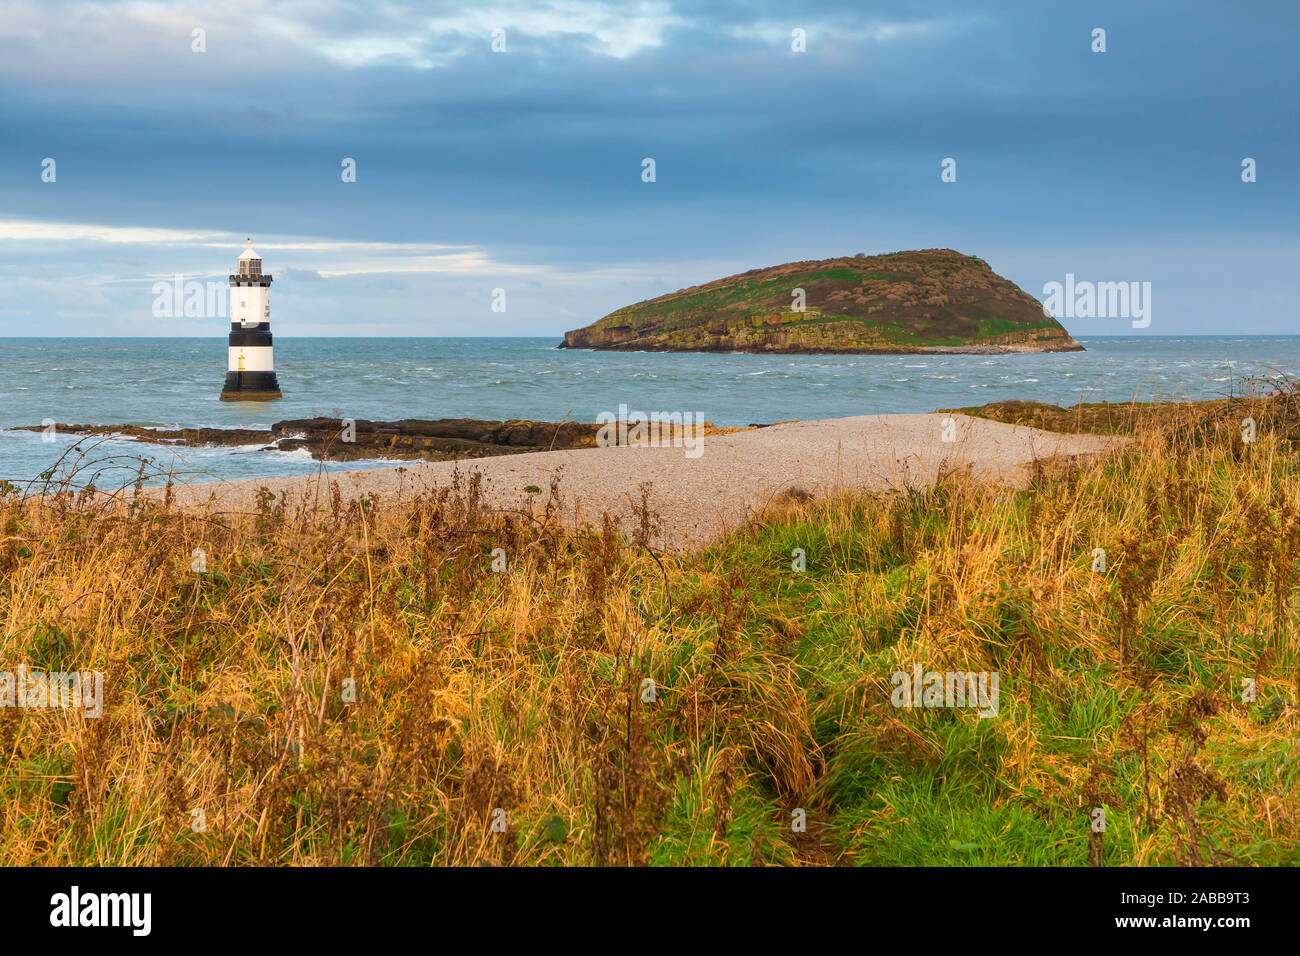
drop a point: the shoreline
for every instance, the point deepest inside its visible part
(919, 350)
(698, 499)
(360, 439)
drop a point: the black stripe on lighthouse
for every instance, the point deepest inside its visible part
(255, 338)
(244, 382)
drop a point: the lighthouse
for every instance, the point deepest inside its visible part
(250, 370)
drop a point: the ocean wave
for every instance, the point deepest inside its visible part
(503, 378)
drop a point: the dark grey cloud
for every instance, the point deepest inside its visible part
(762, 154)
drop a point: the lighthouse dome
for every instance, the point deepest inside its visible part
(250, 263)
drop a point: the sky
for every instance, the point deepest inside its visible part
(521, 170)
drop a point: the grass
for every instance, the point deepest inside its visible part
(350, 683)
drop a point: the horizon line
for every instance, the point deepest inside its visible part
(560, 335)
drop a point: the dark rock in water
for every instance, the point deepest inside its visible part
(443, 439)
(164, 436)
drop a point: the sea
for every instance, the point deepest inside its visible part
(175, 383)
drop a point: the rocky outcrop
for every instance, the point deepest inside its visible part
(442, 439)
(333, 439)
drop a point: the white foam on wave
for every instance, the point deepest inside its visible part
(244, 449)
(290, 454)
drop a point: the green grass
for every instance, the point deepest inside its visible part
(523, 691)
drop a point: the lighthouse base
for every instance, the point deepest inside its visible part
(249, 395)
(250, 387)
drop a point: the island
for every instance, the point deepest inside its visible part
(927, 300)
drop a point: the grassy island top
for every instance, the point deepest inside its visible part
(904, 301)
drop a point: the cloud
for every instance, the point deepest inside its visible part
(262, 38)
(92, 278)
(400, 34)
(343, 256)
(34, 230)
(850, 27)
(302, 275)
(479, 170)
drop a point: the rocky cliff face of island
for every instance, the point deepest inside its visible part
(932, 300)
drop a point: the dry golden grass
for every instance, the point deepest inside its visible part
(505, 717)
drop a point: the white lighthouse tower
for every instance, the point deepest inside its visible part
(250, 369)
